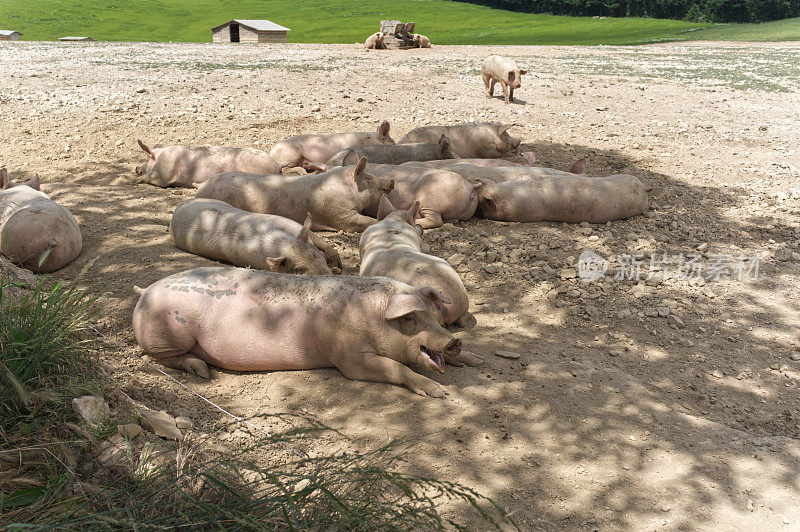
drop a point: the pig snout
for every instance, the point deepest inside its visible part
(389, 186)
(438, 346)
(514, 143)
(139, 170)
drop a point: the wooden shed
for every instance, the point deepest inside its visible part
(9, 35)
(238, 30)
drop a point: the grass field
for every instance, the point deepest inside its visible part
(334, 21)
(348, 21)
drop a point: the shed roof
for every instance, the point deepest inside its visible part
(258, 25)
(8, 32)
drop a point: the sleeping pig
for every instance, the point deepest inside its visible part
(181, 166)
(35, 232)
(487, 140)
(398, 153)
(219, 231)
(371, 328)
(301, 149)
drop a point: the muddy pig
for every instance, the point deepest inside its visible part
(397, 153)
(301, 149)
(391, 248)
(502, 70)
(420, 41)
(558, 198)
(36, 232)
(335, 198)
(485, 140)
(371, 328)
(375, 41)
(219, 231)
(180, 166)
(444, 196)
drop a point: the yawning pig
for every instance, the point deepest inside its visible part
(485, 140)
(502, 70)
(395, 153)
(335, 198)
(219, 231)
(443, 196)
(371, 328)
(180, 166)
(35, 232)
(391, 248)
(562, 198)
(301, 149)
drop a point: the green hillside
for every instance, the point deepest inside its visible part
(334, 21)
(777, 30)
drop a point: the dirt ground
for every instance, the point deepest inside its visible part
(671, 403)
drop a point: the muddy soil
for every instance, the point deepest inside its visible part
(666, 402)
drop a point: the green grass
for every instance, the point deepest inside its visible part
(334, 21)
(778, 30)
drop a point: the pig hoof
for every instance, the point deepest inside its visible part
(198, 368)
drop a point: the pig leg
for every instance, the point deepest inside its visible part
(331, 256)
(464, 358)
(429, 219)
(505, 91)
(511, 93)
(375, 368)
(189, 363)
(357, 223)
(489, 82)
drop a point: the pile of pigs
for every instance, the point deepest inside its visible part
(280, 306)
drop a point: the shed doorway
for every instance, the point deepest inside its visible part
(234, 28)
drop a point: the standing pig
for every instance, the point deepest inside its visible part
(397, 153)
(498, 69)
(375, 41)
(562, 198)
(180, 166)
(371, 328)
(301, 149)
(36, 232)
(443, 196)
(487, 140)
(420, 41)
(391, 248)
(335, 198)
(219, 231)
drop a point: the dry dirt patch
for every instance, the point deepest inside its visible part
(610, 417)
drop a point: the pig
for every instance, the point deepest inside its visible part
(498, 69)
(399, 153)
(180, 166)
(370, 328)
(558, 198)
(301, 149)
(391, 248)
(375, 41)
(444, 196)
(219, 231)
(529, 157)
(420, 41)
(472, 172)
(335, 198)
(36, 232)
(487, 140)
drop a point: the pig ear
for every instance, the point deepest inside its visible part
(523, 72)
(502, 128)
(443, 147)
(3, 179)
(350, 158)
(305, 231)
(359, 169)
(278, 264)
(436, 297)
(579, 167)
(34, 183)
(402, 304)
(385, 207)
(480, 182)
(413, 213)
(383, 129)
(147, 150)
(511, 76)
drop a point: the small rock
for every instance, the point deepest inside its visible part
(92, 409)
(141, 90)
(741, 376)
(651, 313)
(702, 247)
(455, 259)
(775, 366)
(794, 356)
(672, 319)
(574, 293)
(568, 273)
(113, 451)
(749, 505)
(507, 354)
(161, 424)
(130, 431)
(663, 311)
(183, 422)
(786, 521)
(783, 368)
(717, 374)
